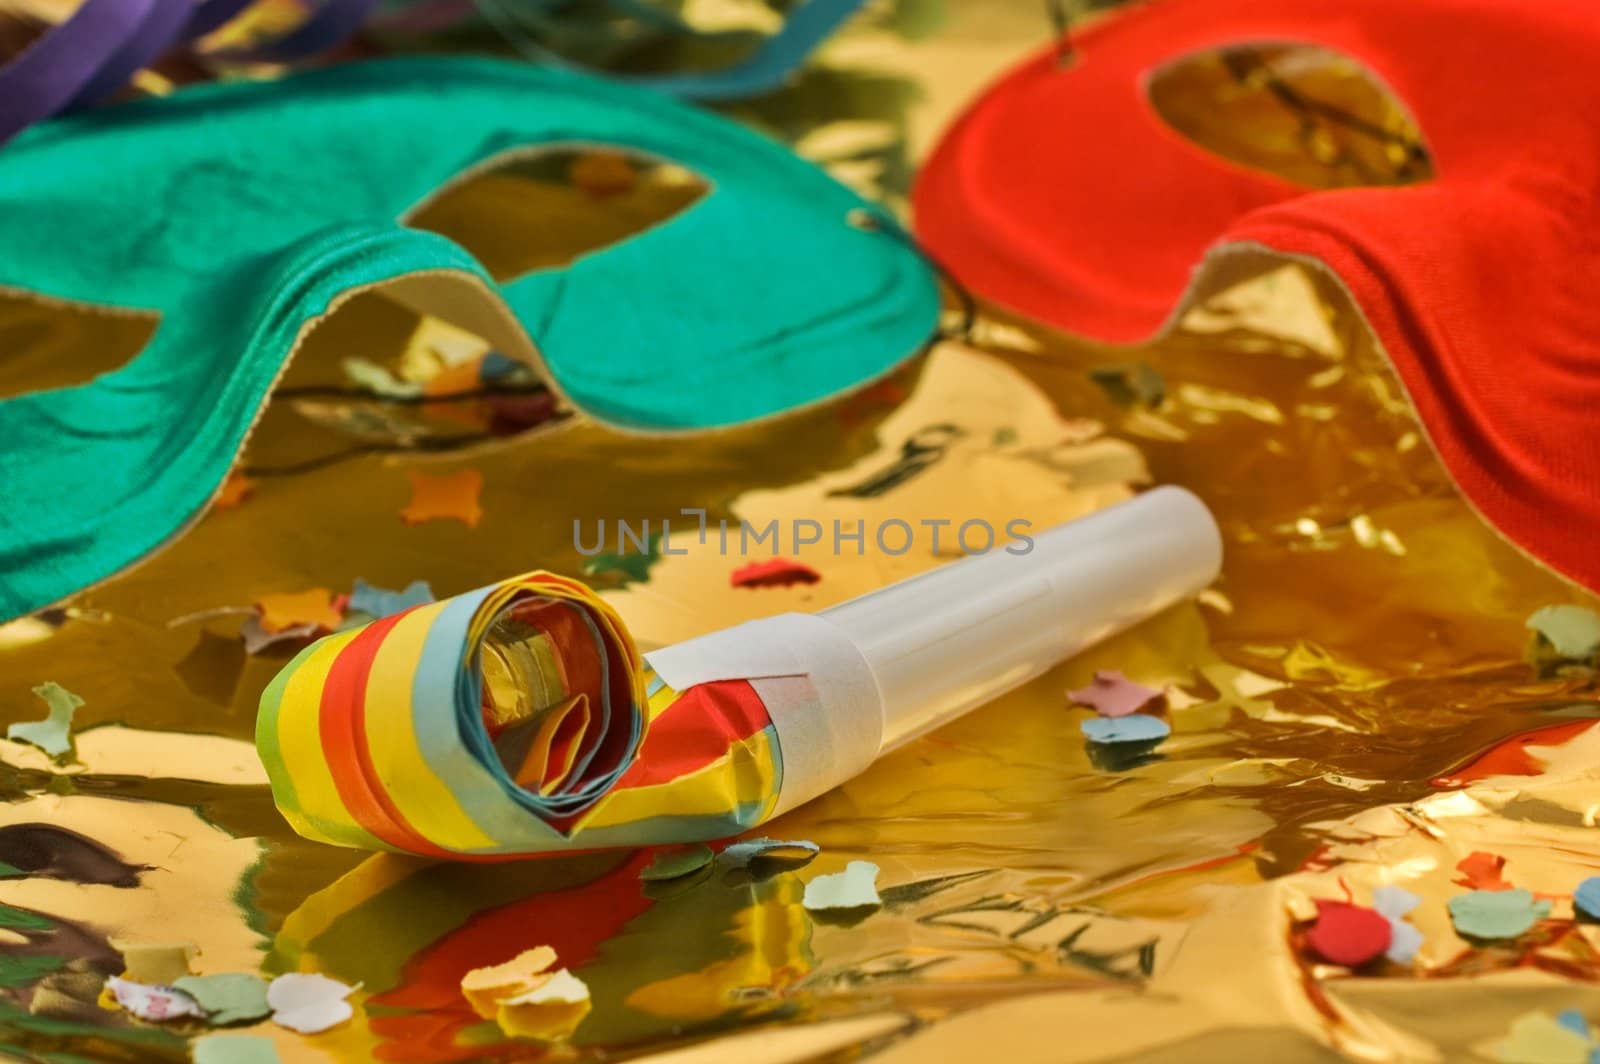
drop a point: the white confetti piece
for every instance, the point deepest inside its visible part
(854, 888)
(561, 988)
(309, 1003)
(156, 1003)
(1392, 903)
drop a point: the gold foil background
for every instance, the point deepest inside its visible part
(1365, 640)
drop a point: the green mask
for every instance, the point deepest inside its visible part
(243, 212)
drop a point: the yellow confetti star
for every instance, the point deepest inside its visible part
(291, 609)
(453, 495)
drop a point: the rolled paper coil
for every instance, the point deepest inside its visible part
(521, 718)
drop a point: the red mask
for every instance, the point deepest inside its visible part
(1063, 195)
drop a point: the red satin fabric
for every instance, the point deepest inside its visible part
(1061, 194)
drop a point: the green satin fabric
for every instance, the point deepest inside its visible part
(241, 212)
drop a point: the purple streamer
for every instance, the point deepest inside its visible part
(100, 46)
(158, 31)
(57, 67)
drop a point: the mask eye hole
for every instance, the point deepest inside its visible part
(542, 207)
(1303, 113)
(47, 344)
(376, 376)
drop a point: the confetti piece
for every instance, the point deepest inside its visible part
(495, 366)
(282, 611)
(309, 1003)
(257, 639)
(1393, 903)
(379, 602)
(235, 490)
(1571, 631)
(560, 988)
(234, 1049)
(485, 988)
(1130, 384)
(452, 496)
(766, 855)
(676, 863)
(1138, 728)
(633, 566)
(602, 174)
(551, 1011)
(1573, 1021)
(1586, 899)
(1347, 934)
(1114, 695)
(230, 997)
(1535, 1038)
(53, 735)
(367, 374)
(23, 920)
(23, 970)
(1511, 757)
(854, 888)
(1496, 914)
(775, 572)
(155, 1002)
(154, 963)
(456, 378)
(1481, 871)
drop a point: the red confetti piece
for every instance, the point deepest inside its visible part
(1481, 871)
(1347, 934)
(234, 491)
(777, 572)
(1511, 758)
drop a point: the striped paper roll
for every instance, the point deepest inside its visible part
(516, 719)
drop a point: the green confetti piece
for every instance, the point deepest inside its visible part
(633, 566)
(1535, 1038)
(20, 970)
(917, 20)
(1130, 384)
(233, 1049)
(1496, 914)
(23, 920)
(764, 855)
(53, 735)
(8, 870)
(230, 997)
(1564, 635)
(677, 863)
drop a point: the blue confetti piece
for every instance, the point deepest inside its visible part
(380, 602)
(497, 367)
(1587, 897)
(1139, 728)
(1573, 1021)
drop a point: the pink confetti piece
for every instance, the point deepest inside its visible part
(1114, 695)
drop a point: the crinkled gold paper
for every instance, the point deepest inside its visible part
(1363, 645)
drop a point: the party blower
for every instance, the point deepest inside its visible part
(521, 719)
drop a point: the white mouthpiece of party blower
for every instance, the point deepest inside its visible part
(892, 664)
